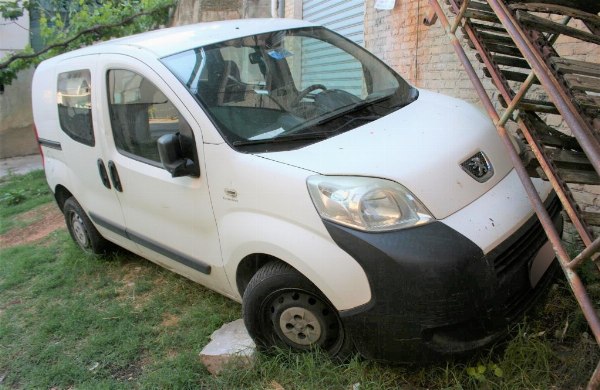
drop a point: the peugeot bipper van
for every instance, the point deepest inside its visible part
(285, 167)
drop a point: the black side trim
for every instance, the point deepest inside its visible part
(109, 225)
(153, 245)
(49, 143)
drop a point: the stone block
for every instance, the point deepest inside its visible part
(230, 345)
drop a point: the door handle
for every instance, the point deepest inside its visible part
(114, 176)
(103, 174)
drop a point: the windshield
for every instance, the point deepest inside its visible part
(286, 89)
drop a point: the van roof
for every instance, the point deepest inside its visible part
(166, 41)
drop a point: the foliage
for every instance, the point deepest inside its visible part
(68, 25)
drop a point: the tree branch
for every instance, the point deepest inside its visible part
(92, 30)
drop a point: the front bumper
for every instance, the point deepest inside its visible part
(435, 293)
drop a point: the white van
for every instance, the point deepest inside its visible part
(287, 168)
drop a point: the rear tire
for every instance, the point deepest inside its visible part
(82, 231)
(282, 308)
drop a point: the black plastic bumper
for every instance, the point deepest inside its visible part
(434, 293)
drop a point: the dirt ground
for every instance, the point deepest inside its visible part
(38, 223)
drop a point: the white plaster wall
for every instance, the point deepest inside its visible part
(16, 133)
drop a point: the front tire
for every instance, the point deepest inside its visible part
(82, 231)
(282, 308)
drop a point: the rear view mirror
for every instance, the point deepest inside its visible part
(173, 158)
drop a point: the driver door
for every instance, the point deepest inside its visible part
(170, 219)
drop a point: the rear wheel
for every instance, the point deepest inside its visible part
(82, 230)
(284, 309)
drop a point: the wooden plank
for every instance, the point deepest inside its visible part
(537, 106)
(573, 176)
(531, 105)
(564, 158)
(502, 49)
(480, 15)
(494, 38)
(583, 83)
(565, 65)
(510, 75)
(548, 135)
(559, 9)
(506, 61)
(545, 25)
(590, 6)
(588, 101)
(480, 6)
(487, 27)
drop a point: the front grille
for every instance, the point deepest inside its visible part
(527, 241)
(512, 262)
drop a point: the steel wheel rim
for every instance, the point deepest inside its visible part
(79, 230)
(283, 305)
(300, 326)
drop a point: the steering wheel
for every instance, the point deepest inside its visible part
(306, 91)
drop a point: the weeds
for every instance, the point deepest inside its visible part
(19, 194)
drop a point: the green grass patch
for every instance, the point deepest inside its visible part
(71, 320)
(21, 193)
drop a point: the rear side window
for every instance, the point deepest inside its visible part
(75, 105)
(139, 114)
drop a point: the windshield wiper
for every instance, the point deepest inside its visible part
(284, 138)
(346, 111)
(296, 136)
(353, 108)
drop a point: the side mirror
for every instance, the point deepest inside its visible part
(173, 158)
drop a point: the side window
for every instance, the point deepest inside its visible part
(75, 105)
(139, 114)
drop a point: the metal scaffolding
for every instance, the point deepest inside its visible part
(515, 42)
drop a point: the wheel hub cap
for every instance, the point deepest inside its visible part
(300, 326)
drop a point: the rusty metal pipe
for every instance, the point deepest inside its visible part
(594, 383)
(573, 279)
(461, 13)
(580, 128)
(587, 253)
(515, 101)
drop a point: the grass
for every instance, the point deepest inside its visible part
(20, 193)
(70, 320)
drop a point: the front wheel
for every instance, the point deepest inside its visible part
(82, 230)
(284, 309)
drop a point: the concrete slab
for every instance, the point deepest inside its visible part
(20, 165)
(230, 345)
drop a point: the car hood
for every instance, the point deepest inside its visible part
(420, 146)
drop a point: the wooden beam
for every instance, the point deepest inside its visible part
(583, 83)
(587, 17)
(487, 27)
(565, 65)
(510, 75)
(502, 49)
(480, 15)
(506, 61)
(545, 25)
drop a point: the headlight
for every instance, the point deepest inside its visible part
(366, 203)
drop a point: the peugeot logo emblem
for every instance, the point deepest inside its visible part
(478, 167)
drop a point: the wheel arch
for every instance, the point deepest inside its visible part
(250, 265)
(61, 194)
